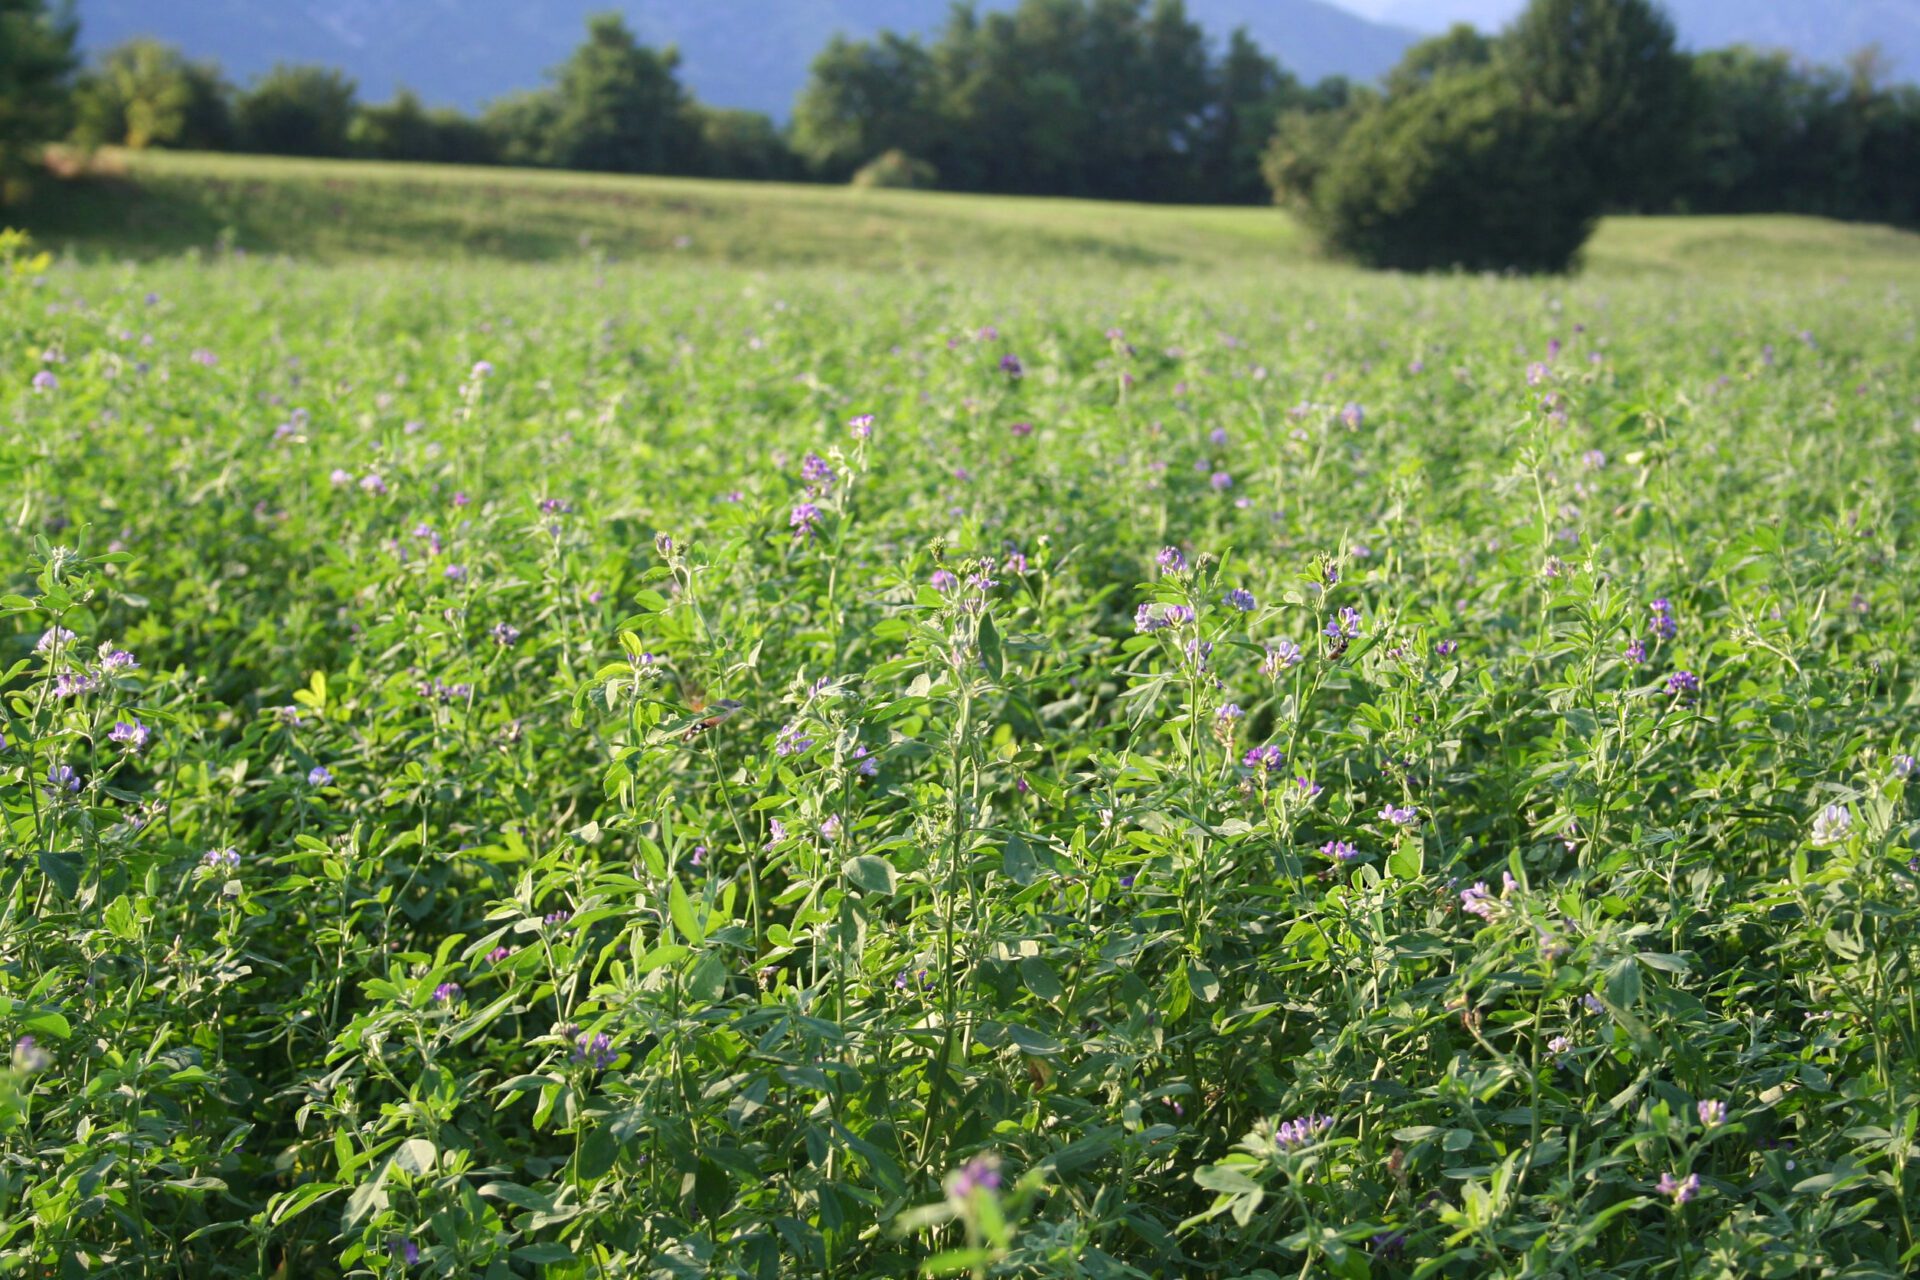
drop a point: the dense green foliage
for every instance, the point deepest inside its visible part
(36, 55)
(144, 94)
(296, 111)
(504, 775)
(1490, 154)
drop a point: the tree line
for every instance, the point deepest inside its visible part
(1476, 150)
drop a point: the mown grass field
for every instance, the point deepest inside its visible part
(917, 735)
(159, 203)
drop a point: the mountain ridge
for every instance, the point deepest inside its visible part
(736, 53)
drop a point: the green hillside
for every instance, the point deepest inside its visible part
(147, 204)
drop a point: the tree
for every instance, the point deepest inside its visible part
(1463, 172)
(144, 93)
(36, 56)
(1611, 65)
(296, 111)
(741, 144)
(620, 107)
(1459, 47)
(863, 98)
(405, 129)
(1251, 92)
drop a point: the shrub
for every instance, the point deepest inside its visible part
(895, 168)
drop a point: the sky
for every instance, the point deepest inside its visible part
(1435, 15)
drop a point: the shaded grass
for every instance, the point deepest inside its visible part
(159, 204)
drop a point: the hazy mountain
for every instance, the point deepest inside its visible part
(737, 53)
(1816, 30)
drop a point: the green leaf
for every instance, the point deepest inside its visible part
(681, 909)
(63, 871)
(870, 874)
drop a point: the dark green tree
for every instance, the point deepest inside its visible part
(1459, 47)
(145, 93)
(741, 144)
(36, 57)
(619, 106)
(1463, 172)
(863, 98)
(296, 111)
(1612, 67)
(405, 129)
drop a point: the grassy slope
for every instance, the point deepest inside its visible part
(168, 202)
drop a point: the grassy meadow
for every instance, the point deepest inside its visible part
(589, 727)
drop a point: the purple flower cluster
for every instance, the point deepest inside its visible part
(1171, 560)
(791, 740)
(1268, 758)
(1292, 1135)
(1282, 656)
(1149, 618)
(1239, 598)
(1339, 851)
(1664, 624)
(1681, 1189)
(595, 1051)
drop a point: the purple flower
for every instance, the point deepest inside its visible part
(1309, 789)
(1711, 1113)
(1832, 825)
(1903, 766)
(70, 684)
(1291, 1135)
(1445, 648)
(943, 580)
(219, 859)
(1339, 851)
(61, 778)
(791, 740)
(1239, 598)
(53, 638)
(1399, 816)
(1221, 481)
(1353, 415)
(815, 471)
(1681, 1189)
(455, 573)
(505, 634)
(776, 832)
(45, 381)
(372, 483)
(1269, 758)
(864, 763)
(319, 776)
(404, 1249)
(1021, 429)
(29, 1057)
(861, 425)
(1228, 712)
(1218, 435)
(1664, 625)
(1537, 373)
(803, 519)
(595, 1051)
(483, 369)
(340, 477)
(1388, 1245)
(446, 993)
(1011, 366)
(130, 734)
(498, 954)
(1283, 655)
(1636, 651)
(830, 829)
(982, 1173)
(1171, 560)
(1683, 683)
(1476, 900)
